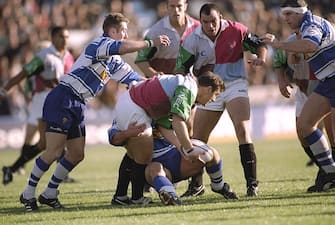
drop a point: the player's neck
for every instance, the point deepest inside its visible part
(178, 23)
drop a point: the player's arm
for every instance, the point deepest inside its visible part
(123, 72)
(117, 137)
(169, 135)
(33, 67)
(181, 106)
(147, 70)
(128, 46)
(143, 58)
(185, 61)
(300, 46)
(279, 63)
(252, 43)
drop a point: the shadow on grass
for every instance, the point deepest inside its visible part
(195, 204)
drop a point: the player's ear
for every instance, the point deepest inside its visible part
(209, 89)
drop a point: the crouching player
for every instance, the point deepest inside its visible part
(169, 165)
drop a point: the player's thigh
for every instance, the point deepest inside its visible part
(140, 148)
(204, 123)
(239, 109)
(314, 109)
(41, 129)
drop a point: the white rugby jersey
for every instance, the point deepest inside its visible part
(99, 62)
(322, 33)
(163, 58)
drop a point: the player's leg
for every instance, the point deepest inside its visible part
(204, 123)
(214, 171)
(307, 128)
(239, 112)
(157, 176)
(28, 151)
(120, 197)
(74, 155)
(330, 133)
(140, 148)
(55, 145)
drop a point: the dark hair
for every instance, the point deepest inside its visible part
(113, 20)
(208, 7)
(293, 3)
(56, 30)
(209, 78)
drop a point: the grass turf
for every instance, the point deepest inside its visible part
(283, 177)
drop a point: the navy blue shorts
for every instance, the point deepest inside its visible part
(171, 161)
(326, 88)
(63, 113)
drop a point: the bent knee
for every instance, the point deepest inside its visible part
(155, 169)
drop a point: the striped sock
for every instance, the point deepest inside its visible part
(319, 146)
(161, 183)
(215, 174)
(63, 168)
(40, 167)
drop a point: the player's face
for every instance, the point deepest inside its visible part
(292, 19)
(211, 23)
(121, 33)
(177, 8)
(206, 95)
(60, 40)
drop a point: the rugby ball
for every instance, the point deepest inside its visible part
(204, 151)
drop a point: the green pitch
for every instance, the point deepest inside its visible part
(283, 199)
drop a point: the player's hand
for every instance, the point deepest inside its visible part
(285, 91)
(256, 62)
(190, 154)
(285, 87)
(3, 93)
(135, 130)
(268, 38)
(161, 40)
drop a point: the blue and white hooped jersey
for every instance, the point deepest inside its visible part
(321, 32)
(99, 62)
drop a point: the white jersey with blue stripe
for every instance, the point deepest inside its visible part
(322, 33)
(99, 62)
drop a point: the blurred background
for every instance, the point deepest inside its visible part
(25, 23)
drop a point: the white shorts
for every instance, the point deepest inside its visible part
(234, 89)
(36, 107)
(127, 112)
(300, 100)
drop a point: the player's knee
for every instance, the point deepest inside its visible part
(303, 128)
(155, 169)
(75, 157)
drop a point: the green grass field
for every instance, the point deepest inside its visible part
(283, 199)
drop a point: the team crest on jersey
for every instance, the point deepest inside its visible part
(103, 75)
(64, 120)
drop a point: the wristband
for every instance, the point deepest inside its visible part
(188, 151)
(150, 43)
